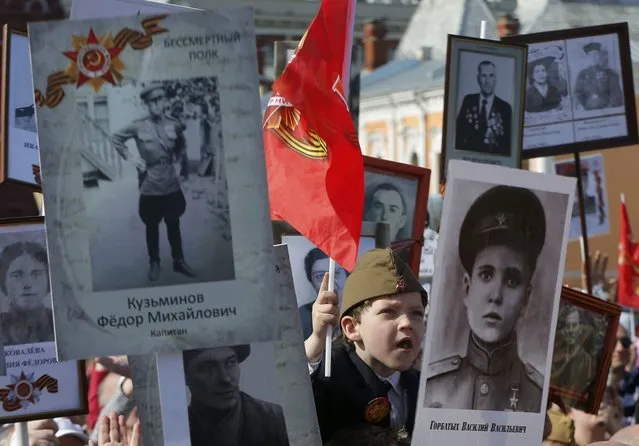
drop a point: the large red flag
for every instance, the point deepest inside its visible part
(313, 159)
(628, 290)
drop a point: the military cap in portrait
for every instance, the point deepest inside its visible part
(592, 46)
(503, 215)
(152, 91)
(241, 351)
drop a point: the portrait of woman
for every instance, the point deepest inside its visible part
(24, 282)
(541, 94)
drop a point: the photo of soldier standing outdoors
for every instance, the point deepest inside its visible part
(160, 140)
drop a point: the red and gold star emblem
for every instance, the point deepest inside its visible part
(22, 388)
(95, 60)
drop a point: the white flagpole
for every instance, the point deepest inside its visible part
(346, 80)
(482, 30)
(22, 433)
(328, 348)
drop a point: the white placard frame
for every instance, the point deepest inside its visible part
(439, 425)
(84, 324)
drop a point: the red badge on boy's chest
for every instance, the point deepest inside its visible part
(377, 410)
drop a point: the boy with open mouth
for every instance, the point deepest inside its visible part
(382, 323)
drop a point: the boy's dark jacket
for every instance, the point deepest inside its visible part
(341, 400)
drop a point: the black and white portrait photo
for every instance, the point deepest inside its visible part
(25, 299)
(578, 353)
(155, 185)
(308, 266)
(493, 321)
(595, 67)
(256, 394)
(542, 93)
(578, 90)
(484, 119)
(232, 396)
(483, 109)
(548, 97)
(391, 199)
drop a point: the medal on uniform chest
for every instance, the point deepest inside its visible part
(377, 410)
(514, 398)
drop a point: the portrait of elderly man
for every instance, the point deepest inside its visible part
(574, 364)
(597, 86)
(385, 202)
(500, 240)
(160, 142)
(484, 119)
(24, 280)
(315, 266)
(220, 413)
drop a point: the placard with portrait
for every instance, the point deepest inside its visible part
(584, 341)
(397, 194)
(483, 110)
(488, 346)
(579, 90)
(149, 161)
(256, 394)
(309, 264)
(36, 384)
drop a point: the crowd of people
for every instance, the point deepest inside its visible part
(370, 399)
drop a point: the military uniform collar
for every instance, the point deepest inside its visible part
(491, 362)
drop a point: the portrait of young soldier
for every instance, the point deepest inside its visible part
(160, 142)
(500, 240)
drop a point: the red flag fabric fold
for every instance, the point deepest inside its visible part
(628, 289)
(313, 159)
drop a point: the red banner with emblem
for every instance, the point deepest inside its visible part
(314, 162)
(628, 290)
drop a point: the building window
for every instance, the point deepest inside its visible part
(377, 144)
(413, 147)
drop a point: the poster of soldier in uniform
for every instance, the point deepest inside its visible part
(255, 394)
(488, 347)
(579, 90)
(584, 341)
(157, 212)
(595, 196)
